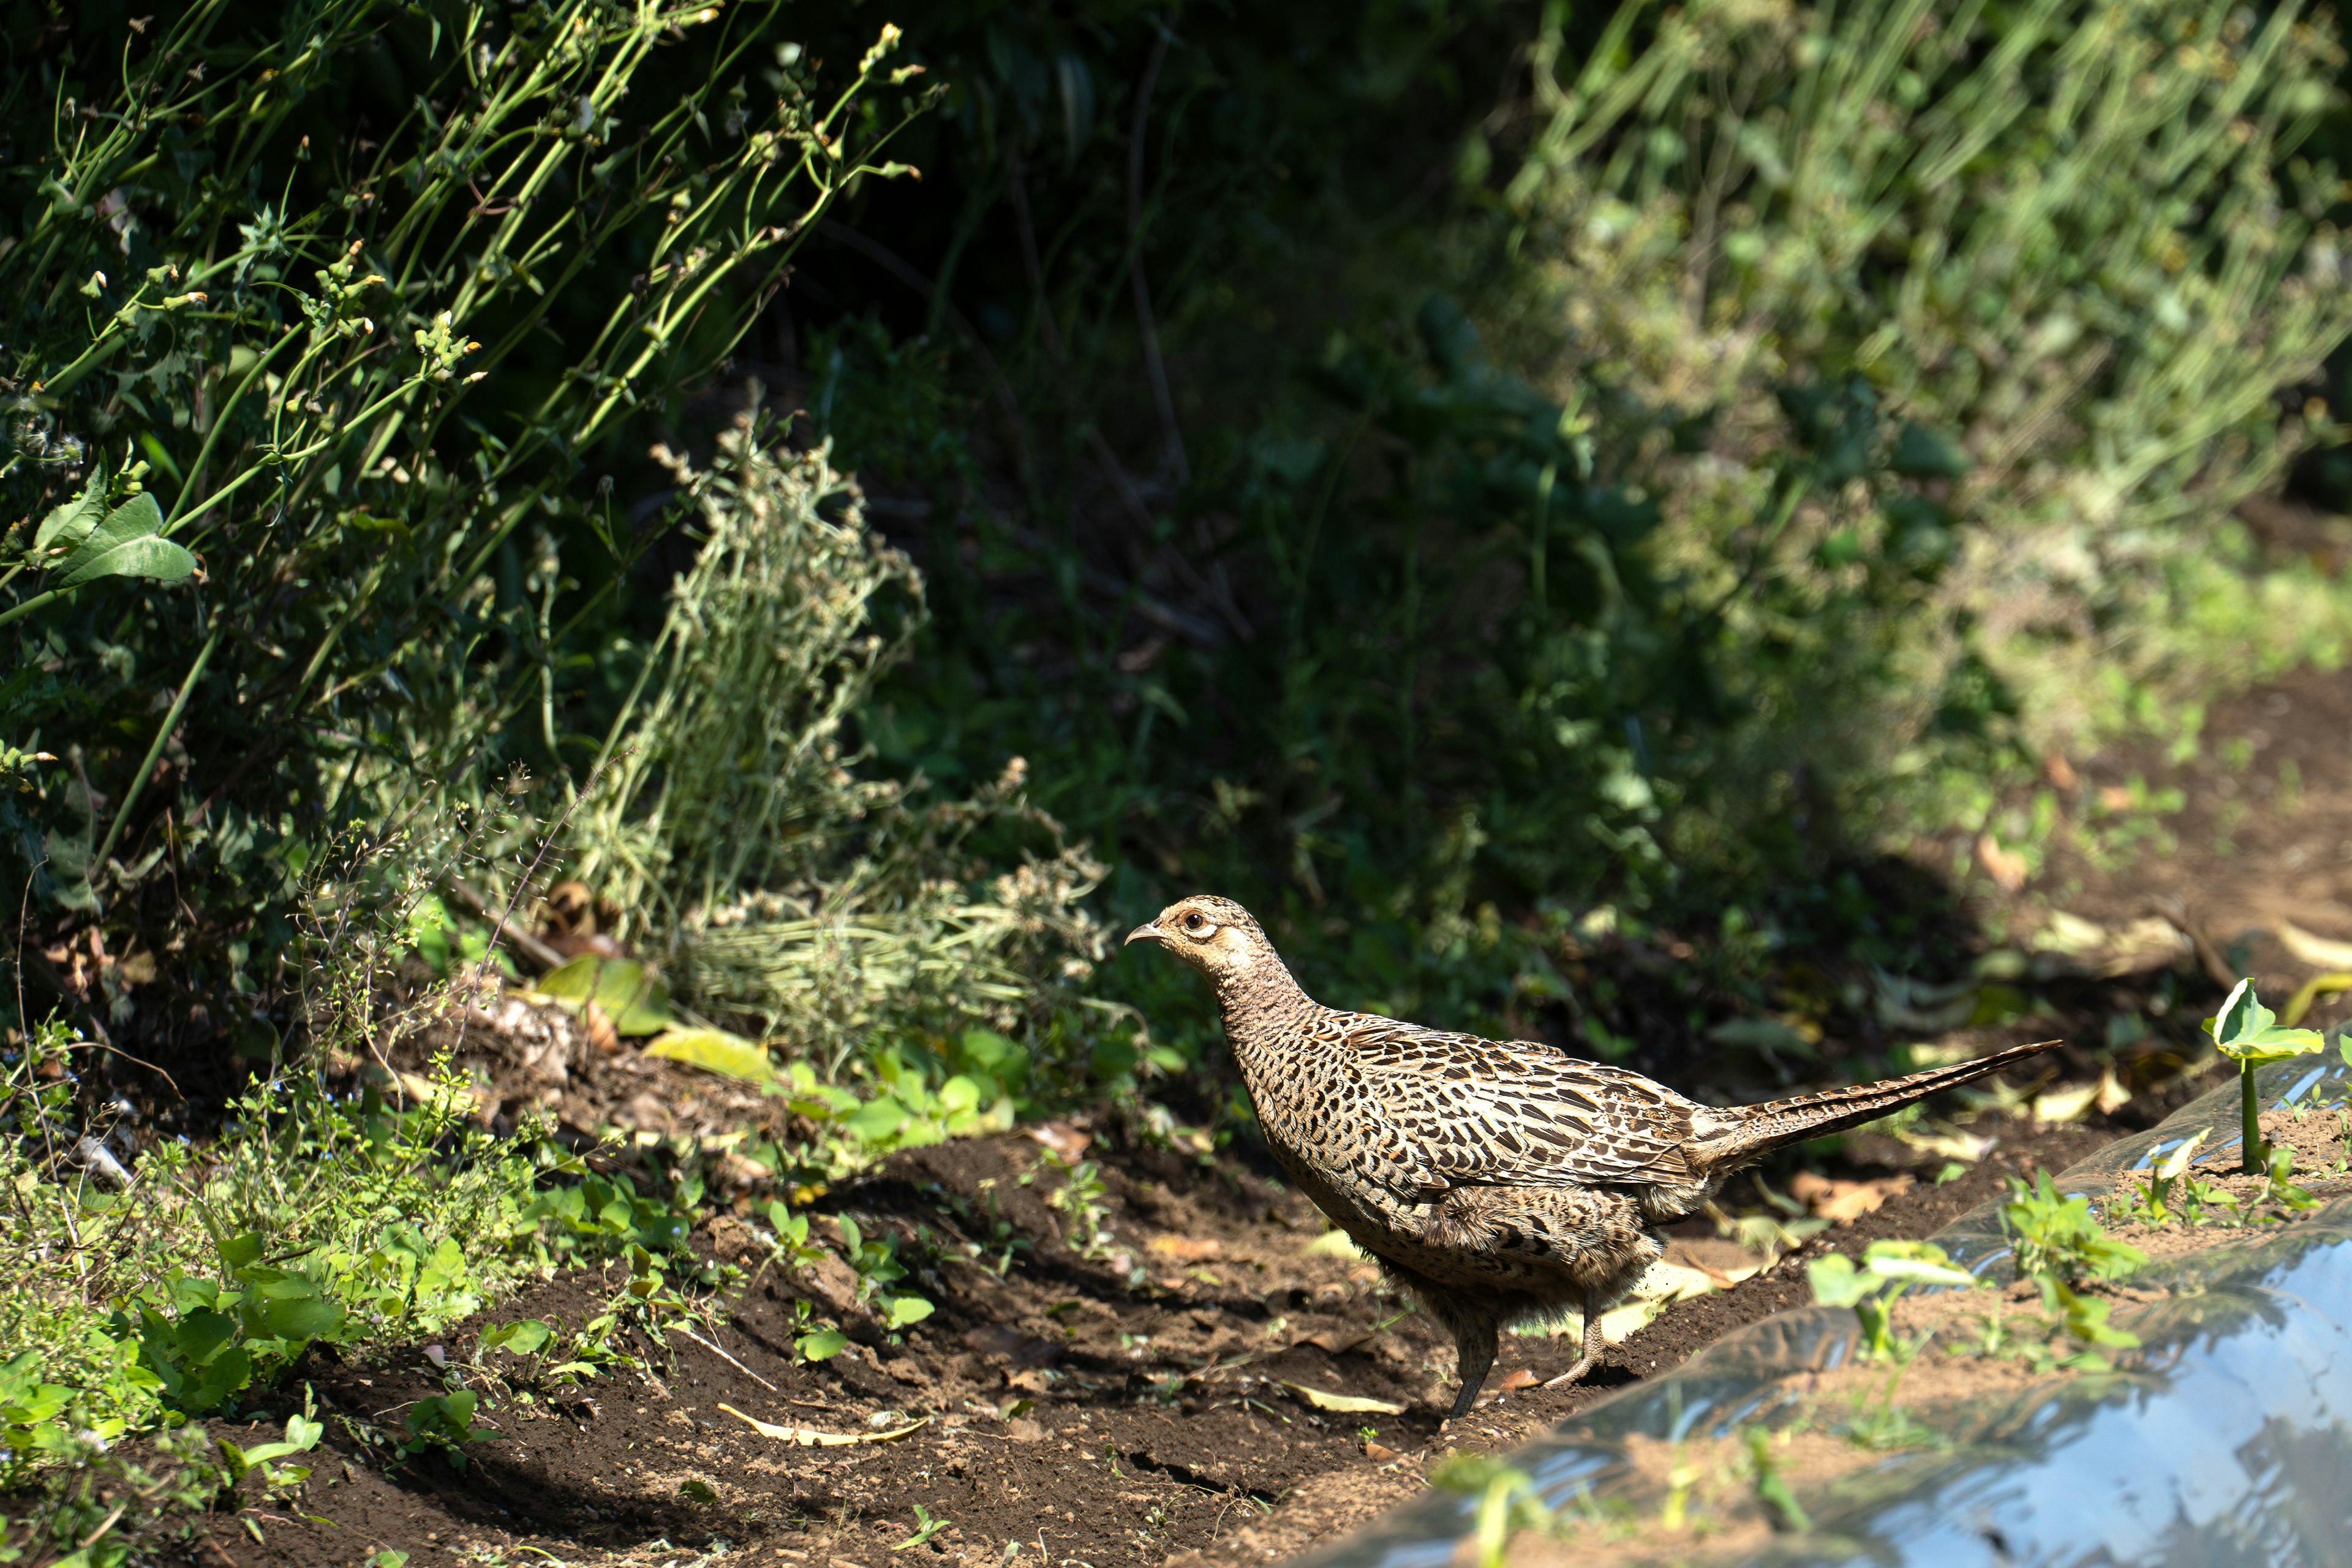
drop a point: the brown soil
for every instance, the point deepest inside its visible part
(1142, 1401)
(1124, 1420)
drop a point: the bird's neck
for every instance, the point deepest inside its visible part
(1262, 1007)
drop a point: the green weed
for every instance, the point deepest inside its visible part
(1888, 1269)
(443, 1424)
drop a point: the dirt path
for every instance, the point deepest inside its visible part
(1124, 1376)
(1070, 1413)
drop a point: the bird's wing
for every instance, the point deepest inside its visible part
(1460, 1111)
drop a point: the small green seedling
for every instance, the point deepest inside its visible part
(302, 1436)
(2249, 1034)
(925, 1527)
(1507, 1500)
(1888, 1269)
(2165, 1176)
(2278, 1166)
(2058, 1240)
(1771, 1486)
(445, 1422)
(525, 1336)
(879, 1268)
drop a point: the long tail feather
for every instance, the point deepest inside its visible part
(1744, 1133)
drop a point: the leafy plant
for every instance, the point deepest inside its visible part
(444, 1422)
(1772, 1489)
(1507, 1500)
(1079, 1200)
(1958, 208)
(302, 1435)
(2172, 1190)
(926, 1527)
(875, 1260)
(1889, 1269)
(2249, 1034)
(2057, 1239)
(242, 308)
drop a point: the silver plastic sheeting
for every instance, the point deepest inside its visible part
(2225, 1440)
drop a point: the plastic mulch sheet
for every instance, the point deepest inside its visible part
(2226, 1439)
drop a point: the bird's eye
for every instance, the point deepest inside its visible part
(1197, 925)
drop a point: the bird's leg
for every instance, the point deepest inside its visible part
(1593, 1343)
(1474, 1352)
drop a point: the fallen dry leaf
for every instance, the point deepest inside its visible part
(2320, 951)
(2005, 867)
(1841, 1202)
(810, 1437)
(2069, 1103)
(1378, 1454)
(1346, 1404)
(1185, 1248)
(1520, 1379)
(1066, 1139)
(1335, 1344)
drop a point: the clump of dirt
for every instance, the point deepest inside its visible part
(1175, 1364)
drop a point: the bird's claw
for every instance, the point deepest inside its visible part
(1582, 1366)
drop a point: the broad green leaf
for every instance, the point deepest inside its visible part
(127, 545)
(69, 524)
(632, 996)
(906, 1310)
(877, 1119)
(523, 1338)
(716, 1050)
(1836, 1282)
(2248, 1032)
(157, 560)
(822, 1345)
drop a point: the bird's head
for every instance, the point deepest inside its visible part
(1215, 936)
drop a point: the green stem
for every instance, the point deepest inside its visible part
(2250, 1149)
(171, 722)
(29, 605)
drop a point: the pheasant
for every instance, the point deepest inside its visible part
(1496, 1182)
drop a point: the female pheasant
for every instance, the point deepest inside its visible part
(1495, 1181)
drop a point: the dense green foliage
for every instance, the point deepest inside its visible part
(1445, 476)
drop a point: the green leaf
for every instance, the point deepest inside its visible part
(2248, 1032)
(126, 544)
(630, 995)
(877, 1119)
(822, 1345)
(906, 1310)
(523, 1338)
(1836, 1282)
(157, 560)
(716, 1050)
(69, 524)
(1922, 453)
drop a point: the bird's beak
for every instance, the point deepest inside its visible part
(1146, 931)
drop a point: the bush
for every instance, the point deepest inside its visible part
(337, 334)
(833, 913)
(2082, 238)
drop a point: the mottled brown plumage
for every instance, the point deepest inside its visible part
(1495, 1181)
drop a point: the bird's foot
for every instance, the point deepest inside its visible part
(1583, 1364)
